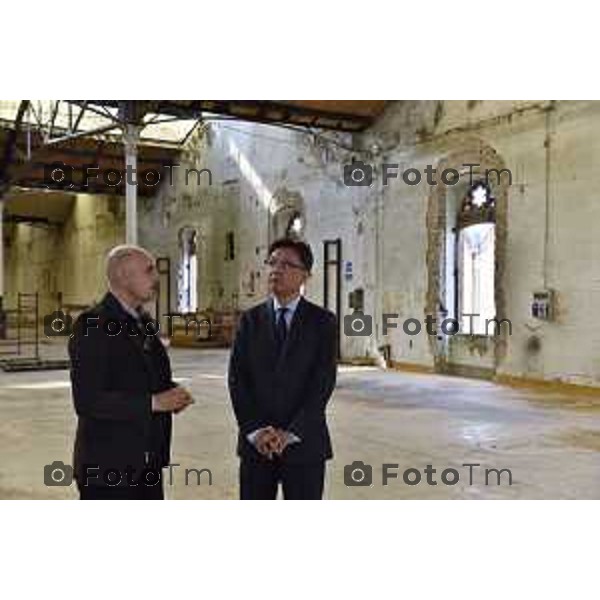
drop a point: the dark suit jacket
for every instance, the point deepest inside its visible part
(291, 390)
(113, 378)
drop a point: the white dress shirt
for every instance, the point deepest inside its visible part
(289, 313)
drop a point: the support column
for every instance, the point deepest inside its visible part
(131, 136)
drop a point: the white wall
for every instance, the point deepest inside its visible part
(256, 167)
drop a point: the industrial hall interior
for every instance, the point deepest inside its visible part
(455, 241)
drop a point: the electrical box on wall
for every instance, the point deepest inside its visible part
(543, 305)
(356, 299)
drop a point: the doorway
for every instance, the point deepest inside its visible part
(332, 280)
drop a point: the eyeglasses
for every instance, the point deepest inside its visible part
(284, 264)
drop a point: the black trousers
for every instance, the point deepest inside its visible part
(139, 492)
(260, 480)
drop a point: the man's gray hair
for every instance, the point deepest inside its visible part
(118, 256)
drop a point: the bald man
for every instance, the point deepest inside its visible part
(122, 386)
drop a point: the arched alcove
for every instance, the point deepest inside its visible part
(476, 162)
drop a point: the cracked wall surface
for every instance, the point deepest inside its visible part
(391, 236)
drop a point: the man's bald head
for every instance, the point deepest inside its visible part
(131, 273)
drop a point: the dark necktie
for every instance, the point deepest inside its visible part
(139, 320)
(144, 327)
(281, 327)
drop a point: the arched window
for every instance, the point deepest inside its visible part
(476, 250)
(188, 271)
(295, 226)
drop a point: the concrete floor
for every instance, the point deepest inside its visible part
(550, 442)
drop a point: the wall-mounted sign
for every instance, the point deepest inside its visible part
(348, 270)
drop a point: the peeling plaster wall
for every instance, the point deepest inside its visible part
(260, 176)
(390, 234)
(187, 199)
(551, 150)
(68, 258)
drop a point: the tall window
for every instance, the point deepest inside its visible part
(476, 243)
(188, 271)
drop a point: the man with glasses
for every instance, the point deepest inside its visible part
(282, 372)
